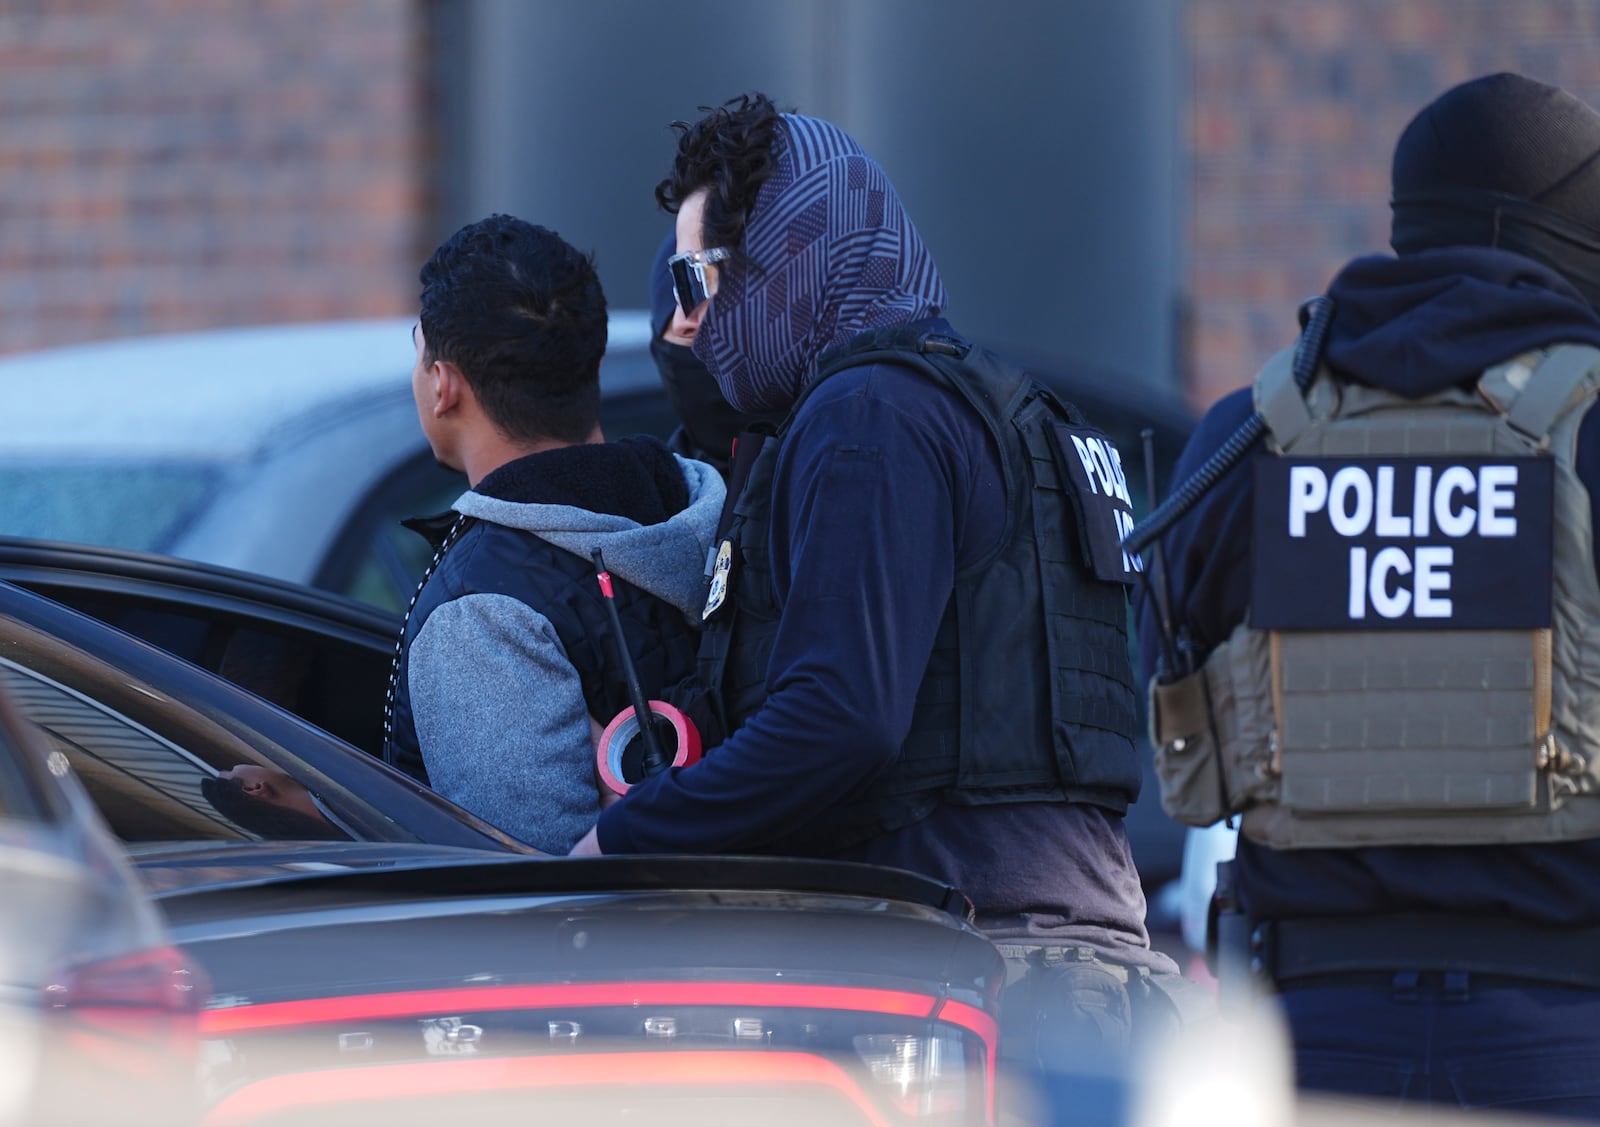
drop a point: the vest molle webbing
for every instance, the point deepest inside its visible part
(1433, 735)
(982, 733)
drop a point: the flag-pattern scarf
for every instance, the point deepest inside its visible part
(829, 253)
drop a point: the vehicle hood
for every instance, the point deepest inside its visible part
(193, 880)
(454, 924)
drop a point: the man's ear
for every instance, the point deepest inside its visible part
(449, 387)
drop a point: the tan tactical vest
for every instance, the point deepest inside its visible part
(1445, 737)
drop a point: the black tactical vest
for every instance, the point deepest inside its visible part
(1014, 707)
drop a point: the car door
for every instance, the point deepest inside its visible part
(321, 656)
(162, 746)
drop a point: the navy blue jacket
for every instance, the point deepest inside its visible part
(885, 486)
(1412, 325)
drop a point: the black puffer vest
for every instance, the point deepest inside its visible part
(1028, 695)
(562, 588)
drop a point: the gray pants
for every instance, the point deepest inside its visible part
(1064, 1009)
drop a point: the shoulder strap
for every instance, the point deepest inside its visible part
(1567, 372)
(1279, 400)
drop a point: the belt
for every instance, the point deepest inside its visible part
(1316, 947)
(1063, 954)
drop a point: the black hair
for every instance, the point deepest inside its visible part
(732, 151)
(522, 314)
(265, 819)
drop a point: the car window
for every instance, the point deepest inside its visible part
(147, 787)
(160, 770)
(377, 559)
(23, 794)
(335, 682)
(139, 506)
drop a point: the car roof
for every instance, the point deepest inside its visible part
(211, 396)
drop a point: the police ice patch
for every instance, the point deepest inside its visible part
(1437, 542)
(1105, 509)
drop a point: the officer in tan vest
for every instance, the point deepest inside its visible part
(1377, 642)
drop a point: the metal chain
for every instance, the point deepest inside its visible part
(456, 529)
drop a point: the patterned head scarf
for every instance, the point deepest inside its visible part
(829, 253)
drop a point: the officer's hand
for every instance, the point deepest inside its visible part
(588, 845)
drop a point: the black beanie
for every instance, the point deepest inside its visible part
(1503, 161)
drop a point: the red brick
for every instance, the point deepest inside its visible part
(1296, 105)
(176, 164)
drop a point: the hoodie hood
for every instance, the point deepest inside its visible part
(664, 557)
(1423, 322)
(828, 253)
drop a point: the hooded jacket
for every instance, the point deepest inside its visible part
(1411, 326)
(885, 488)
(508, 651)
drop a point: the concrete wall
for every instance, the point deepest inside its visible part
(1142, 187)
(1035, 142)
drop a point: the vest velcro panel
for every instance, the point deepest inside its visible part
(1352, 738)
(1431, 737)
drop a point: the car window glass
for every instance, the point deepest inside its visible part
(376, 558)
(21, 795)
(137, 506)
(177, 784)
(147, 789)
(338, 684)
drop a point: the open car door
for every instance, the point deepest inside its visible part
(322, 656)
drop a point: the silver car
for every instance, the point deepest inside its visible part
(99, 1011)
(288, 450)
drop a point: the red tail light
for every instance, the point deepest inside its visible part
(160, 979)
(125, 1036)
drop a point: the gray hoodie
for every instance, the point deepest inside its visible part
(498, 707)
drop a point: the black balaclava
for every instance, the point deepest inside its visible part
(1503, 161)
(709, 421)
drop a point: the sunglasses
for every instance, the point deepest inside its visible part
(690, 282)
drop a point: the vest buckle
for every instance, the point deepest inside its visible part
(943, 345)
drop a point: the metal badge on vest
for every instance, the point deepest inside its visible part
(721, 569)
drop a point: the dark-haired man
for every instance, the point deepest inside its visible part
(1393, 605)
(508, 663)
(914, 657)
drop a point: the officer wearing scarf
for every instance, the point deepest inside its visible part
(892, 686)
(708, 424)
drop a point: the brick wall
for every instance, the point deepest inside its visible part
(176, 164)
(1296, 105)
